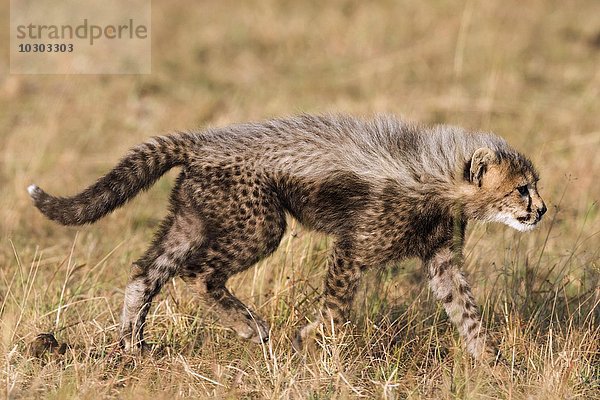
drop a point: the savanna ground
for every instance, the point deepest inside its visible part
(526, 70)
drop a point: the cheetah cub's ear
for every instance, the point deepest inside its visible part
(480, 161)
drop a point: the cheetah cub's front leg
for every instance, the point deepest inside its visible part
(343, 276)
(450, 286)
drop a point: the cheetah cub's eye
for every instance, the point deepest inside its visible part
(523, 190)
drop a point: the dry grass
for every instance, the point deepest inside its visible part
(526, 70)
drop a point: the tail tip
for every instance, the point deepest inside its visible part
(33, 191)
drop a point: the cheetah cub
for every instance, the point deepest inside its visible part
(384, 189)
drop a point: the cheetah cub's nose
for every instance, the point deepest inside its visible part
(541, 211)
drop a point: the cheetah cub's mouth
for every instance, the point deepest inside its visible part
(522, 224)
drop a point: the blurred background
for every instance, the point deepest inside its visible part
(528, 71)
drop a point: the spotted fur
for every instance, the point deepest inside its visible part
(384, 189)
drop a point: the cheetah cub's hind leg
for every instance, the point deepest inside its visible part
(450, 287)
(163, 260)
(147, 277)
(139, 293)
(341, 283)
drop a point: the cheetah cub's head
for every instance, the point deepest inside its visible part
(504, 189)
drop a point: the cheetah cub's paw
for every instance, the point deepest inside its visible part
(252, 328)
(306, 335)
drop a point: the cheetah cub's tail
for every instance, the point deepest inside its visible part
(137, 171)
